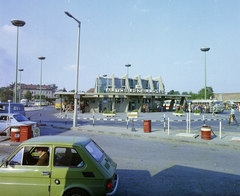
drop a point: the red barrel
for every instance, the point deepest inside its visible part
(147, 126)
(206, 133)
(15, 134)
(25, 133)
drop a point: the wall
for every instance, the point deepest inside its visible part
(227, 96)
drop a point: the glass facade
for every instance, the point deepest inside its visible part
(105, 84)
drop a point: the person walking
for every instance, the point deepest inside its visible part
(232, 117)
(214, 110)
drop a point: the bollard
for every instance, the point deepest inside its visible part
(65, 117)
(133, 129)
(220, 129)
(40, 118)
(168, 125)
(164, 123)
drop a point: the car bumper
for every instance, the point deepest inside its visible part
(114, 190)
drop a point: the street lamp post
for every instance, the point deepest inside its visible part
(20, 94)
(17, 23)
(41, 58)
(127, 65)
(77, 71)
(205, 49)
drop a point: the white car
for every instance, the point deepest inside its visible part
(17, 120)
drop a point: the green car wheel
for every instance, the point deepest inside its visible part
(76, 192)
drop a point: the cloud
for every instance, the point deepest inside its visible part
(7, 67)
(9, 29)
(145, 10)
(188, 62)
(70, 68)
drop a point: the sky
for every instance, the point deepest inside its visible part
(157, 37)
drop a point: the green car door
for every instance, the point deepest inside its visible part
(21, 177)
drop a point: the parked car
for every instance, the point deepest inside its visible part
(14, 108)
(76, 166)
(17, 120)
(24, 102)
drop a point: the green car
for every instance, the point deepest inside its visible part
(58, 165)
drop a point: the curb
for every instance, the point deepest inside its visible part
(173, 138)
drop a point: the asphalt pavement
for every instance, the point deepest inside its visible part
(227, 135)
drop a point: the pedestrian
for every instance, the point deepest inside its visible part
(147, 108)
(164, 108)
(232, 117)
(214, 110)
(144, 108)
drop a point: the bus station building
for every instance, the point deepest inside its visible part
(125, 94)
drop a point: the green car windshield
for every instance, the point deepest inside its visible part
(94, 150)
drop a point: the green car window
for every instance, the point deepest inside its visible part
(67, 157)
(94, 150)
(17, 159)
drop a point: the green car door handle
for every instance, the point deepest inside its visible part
(46, 173)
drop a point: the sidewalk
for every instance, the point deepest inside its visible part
(228, 137)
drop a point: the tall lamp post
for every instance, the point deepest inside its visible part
(20, 94)
(17, 23)
(41, 58)
(205, 49)
(127, 65)
(77, 71)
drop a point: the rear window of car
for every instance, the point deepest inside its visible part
(94, 150)
(20, 118)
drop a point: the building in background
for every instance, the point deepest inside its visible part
(48, 91)
(125, 94)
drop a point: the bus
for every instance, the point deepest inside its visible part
(167, 104)
(207, 105)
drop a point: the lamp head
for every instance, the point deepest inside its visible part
(41, 57)
(18, 23)
(204, 49)
(68, 14)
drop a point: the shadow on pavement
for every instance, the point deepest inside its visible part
(177, 180)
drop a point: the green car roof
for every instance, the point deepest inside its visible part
(57, 140)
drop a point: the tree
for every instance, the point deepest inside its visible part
(38, 97)
(185, 93)
(209, 93)
(172, 92)
(28, 95)
(6, 94)
(193, 95)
